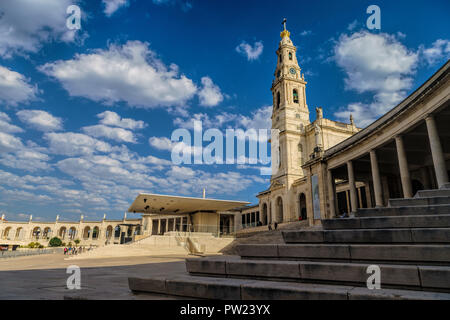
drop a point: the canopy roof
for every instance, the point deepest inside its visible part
(164, 204)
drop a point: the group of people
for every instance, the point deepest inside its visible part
(75, 250)
(275, 226)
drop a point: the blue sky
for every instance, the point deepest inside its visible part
(86, 116)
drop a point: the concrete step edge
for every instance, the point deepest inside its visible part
(241, 289)
(380, 222)
(433, 278)
(432, 254)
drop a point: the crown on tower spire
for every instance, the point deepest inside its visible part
(285, 33)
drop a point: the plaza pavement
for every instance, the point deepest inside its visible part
(44, 276)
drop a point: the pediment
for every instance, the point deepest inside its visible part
(276, 185)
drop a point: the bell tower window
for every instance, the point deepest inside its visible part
(290, 55)
(295, 95)
(281, 57)
(278, 99)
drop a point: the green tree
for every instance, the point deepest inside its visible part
(55, 242)
(77, 241)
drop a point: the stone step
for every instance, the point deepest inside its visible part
(413, 235)
(418, 221)
(419, 201)
(433, 193)
(380, 253)
(242, 289)
(403, 211)
(426, 278)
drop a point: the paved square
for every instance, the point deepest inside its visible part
(44, 276)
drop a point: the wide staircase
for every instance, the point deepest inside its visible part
(409, 241)
(172, 243)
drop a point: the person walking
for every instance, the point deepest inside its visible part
(275, 225)
(269, 226)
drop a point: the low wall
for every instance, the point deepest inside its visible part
(29, 252)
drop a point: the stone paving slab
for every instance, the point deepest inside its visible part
(44, 277)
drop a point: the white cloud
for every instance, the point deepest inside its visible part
(9, 142)
(259, 119)
(26, 24)
(249, 51)
(209, 94)
(207, 122)
(73, 144)
(161, 143)
(27, 160)
(305, 33)
(14, 87)
(352, 25)
(117, 134)
(375, 63)
(440, 50)
(6, 126)
(129, 73)
(113, 119)
(111, 6)
(40, 120)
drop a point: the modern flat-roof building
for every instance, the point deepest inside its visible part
(165, 213)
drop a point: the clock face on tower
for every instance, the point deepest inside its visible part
(292, 71)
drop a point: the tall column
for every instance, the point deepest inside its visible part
(437, 154)
(424, 174)
(351, 182)
(376, 179)
(331, 194)
(359, 197)
(347, 200)
(404, 171)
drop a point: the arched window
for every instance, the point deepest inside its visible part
(300, 147)
(279, 157)
(281, 57)
(290, 55)
(295, 94)
(278, 99)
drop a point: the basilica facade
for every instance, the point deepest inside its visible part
(329, 168)
(300, 140)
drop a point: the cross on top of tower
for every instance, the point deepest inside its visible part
(284, 33)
